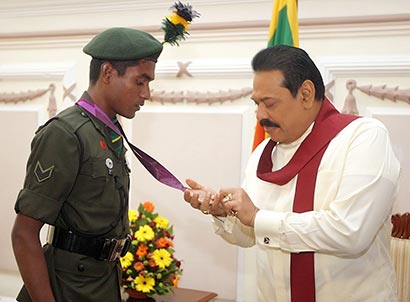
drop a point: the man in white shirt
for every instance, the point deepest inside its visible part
(317, 195)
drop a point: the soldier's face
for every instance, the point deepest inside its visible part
(129, 91)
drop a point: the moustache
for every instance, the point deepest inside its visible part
(268, 123)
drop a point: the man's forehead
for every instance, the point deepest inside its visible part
(272, 75)
(266, 82)
(146, 70)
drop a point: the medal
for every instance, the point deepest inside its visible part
(109, 164)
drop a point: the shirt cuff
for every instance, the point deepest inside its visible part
(268, 228)
(224, 224)
(29, 203)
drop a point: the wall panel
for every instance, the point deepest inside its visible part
(18, 126)
(204, 144)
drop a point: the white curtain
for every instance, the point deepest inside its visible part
(400, 252)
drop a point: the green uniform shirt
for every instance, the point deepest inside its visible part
(70, 183)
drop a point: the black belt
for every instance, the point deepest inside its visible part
(98, 247)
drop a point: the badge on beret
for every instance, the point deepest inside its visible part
(124, 44)
(176, 25)
(41, 173)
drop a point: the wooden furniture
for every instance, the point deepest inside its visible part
(186, 295)
(180, 295)
(401, 225)
(400, 253)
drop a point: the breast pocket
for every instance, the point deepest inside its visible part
(95, 201)
(94, 182)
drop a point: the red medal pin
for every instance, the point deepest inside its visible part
(103, 145)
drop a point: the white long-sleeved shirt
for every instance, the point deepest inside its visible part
(348, 230)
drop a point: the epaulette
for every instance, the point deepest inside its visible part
(72, 118)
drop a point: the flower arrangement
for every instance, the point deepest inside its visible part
(176, 25)
(149, 265)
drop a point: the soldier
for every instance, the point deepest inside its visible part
(78, 181)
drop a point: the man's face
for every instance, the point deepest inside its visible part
(283, 116)
(128, 92)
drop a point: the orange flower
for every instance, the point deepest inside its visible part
(174, 280)
(148, 206)
(152, 262)
(142, 250)
(139, 266)
(163, 243)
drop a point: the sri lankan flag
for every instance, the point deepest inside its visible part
(283, 29)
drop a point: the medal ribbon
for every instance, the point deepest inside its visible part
(158, 171)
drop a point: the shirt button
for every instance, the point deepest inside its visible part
(266, 240)
(81, 267)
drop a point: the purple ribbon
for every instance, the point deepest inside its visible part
(158, 171)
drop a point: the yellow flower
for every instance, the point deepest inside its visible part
(132, 215)
(162, 258)
(177, 19)
(144, 284)
(161, 222)
(145, 232)
(127, 260)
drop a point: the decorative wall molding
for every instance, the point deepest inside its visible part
(206, 68)
(355, 30)
(196, 97)
(328, 88)
(387, 22)
(69, 92)
(381, 92)
(17, 97)
(47, 8)
(248, 30)
(79, 7)
(331, 67)
(24, 96)
(35, 70)
(56, 71)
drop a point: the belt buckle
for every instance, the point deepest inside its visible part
(50, 234)
(118, 248)
(126, 245)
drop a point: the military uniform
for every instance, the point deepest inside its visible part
(73, 181)
(78, 182)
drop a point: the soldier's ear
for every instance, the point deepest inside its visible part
(106, 72)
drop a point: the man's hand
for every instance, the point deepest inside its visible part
(204, 199)
(236, 202)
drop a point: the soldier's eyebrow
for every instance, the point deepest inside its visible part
(146, 76)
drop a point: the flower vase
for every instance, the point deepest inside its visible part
(137, 296)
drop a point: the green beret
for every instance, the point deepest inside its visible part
(124, 44)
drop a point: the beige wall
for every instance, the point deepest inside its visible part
(40, 43)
